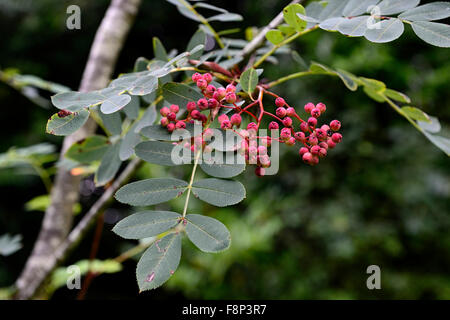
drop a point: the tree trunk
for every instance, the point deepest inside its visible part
(57, 221)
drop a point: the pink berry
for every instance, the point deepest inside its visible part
(213, 103)
(196, 76)
(174, 108)
(230, 88)
(307, 157)
(299, 136)
(285, 133)
(302, 151)
(207, 134)
(324, 145)
(336, 137)
(236, 119)
(222, 118)
(290, 112)
(304, 127)
(308, 107)
(202, 84)
(290, 141)
(335, 125)
(331, 143)
(264, 161)
(312, 122)
(315, 150)
(273, 125)
(191, 106)
(164, 121)
(322, 153)
(230, 97)
(325, 127)
(321, 134)
(315, 112)
(312, 140)
(170, 127)
(262, 150)
(210, 90)
(171, 116)
(281, 112)
(164, 111)
(226, 124)
(202, 104)
(195, 114)
(287, 122)
(221, 93)
(207, 77)
(279, 102)
(180, 125)
(252, 126)
(322, 107)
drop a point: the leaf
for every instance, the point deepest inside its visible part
(129, 141)
(385, 31)
(317, 68)
(209, 6)
(75, 101)
(440, 142)
(375, 95)
(373, 84)
(199, 38)
(159, 262)
(332, 24)
(151, 191)
(109, 165)
(90, 149)
(428, 12)
(155, 152)
(398, 96)
(10, 244)
(416, 114)
(348, 79)
(437, 34)
(112, 122)
(249, 80)
(333, 9)
(356, 7)
(132, 109)
(141, 64)
(291, 18)
(208, 234)
(220, 168)
(389, 7)
(275, 36)
(158, 132)
(159, 51)
(285, 29)
(226, 17)
(140, 83)
(355, 27)
(307, 18)
(63, 126)
(179, 93)
(432, 126)
(146, 224)
(148, 118)
(114, 104)
(219, 192)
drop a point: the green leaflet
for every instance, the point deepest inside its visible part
(275, 36)
(63, 126)
(158, 152)
(151, 191)
(437, 34)
(109, 165)
(291, 18)
(219, 192)
(208, 234)
(146, 224)
(249, 80)
(159, 262)
(180, 94)
(90, 149)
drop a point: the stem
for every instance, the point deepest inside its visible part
(288, 77)
(189, 187)
(284, 42)
(399, 111)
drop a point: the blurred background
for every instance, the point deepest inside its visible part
(381, 197)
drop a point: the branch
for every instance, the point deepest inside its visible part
(58, 217)
(259, 39)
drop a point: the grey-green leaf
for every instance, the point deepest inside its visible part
(333, 9)
(437, 34)
(440, 142)
(155, 152)
(63, 126)
(109, 165)
(208, 234)
(90, 149)
(219, 192)
(354, 27)
(249, 80)
(158, 132)
(148, 118)
(146, 224)
(159, 262)
(428, 12)
(220, 168)
(226, 17)
(112, 122)
(158, 50)
(132, 109)
(332, 24)
(114, 104)
(150, 191)
(356, 7)
(75, 101)
(180, 94)
(385, 31)
(199, 38)
(388, 7)
(129, 141)
(432, 126)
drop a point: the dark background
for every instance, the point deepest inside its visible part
(381, 197)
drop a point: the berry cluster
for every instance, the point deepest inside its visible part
(314, 140)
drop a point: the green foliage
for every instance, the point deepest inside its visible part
(109, 165)
(208, 234)
(63, 126)
(249, 80)
(179, 93)
(290, 16)
(155, 152)
(10, 244)
(437, 34)
(91, 149)
(219, 192)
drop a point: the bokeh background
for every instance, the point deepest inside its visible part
(381, 197)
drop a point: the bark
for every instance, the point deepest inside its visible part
(57, 221)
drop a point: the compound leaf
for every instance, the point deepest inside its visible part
(208, 234)
(219, 192)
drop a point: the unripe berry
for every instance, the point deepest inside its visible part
(315, 150)
(180, 125)
(279, 102)
(302, 151)
(262, 150)
(335, 125)
(312, 140)
(307, 157)
(273, 125)
(230, 97)
(281, 112)
(315, 112)
(321, 135)
(230, 88)
(202, 84)
(252, 126)
(207, 77)
(325, 127)
(285, 133)
(290, 141)
(164, 121)
(196, 76)
(322, 153)
(331, 143)
(290, 112)
(170, 127)
(287, 122)
(209, 92)
(226, 125)
(195, 114)
(322, 107)
(308, 107)
(221, 93)
(260, 171)
(304, 127)
(312, 122)
(336, 137)
(222, 118)
(174, 108)
(164, 111)
(202, 104)
(264, 161)
(190, 106)
(236, 119)
(213, 103)
(300, 136)
(314, 161)
(171, 116)
(324, 145)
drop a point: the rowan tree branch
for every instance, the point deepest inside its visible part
(58, 217)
